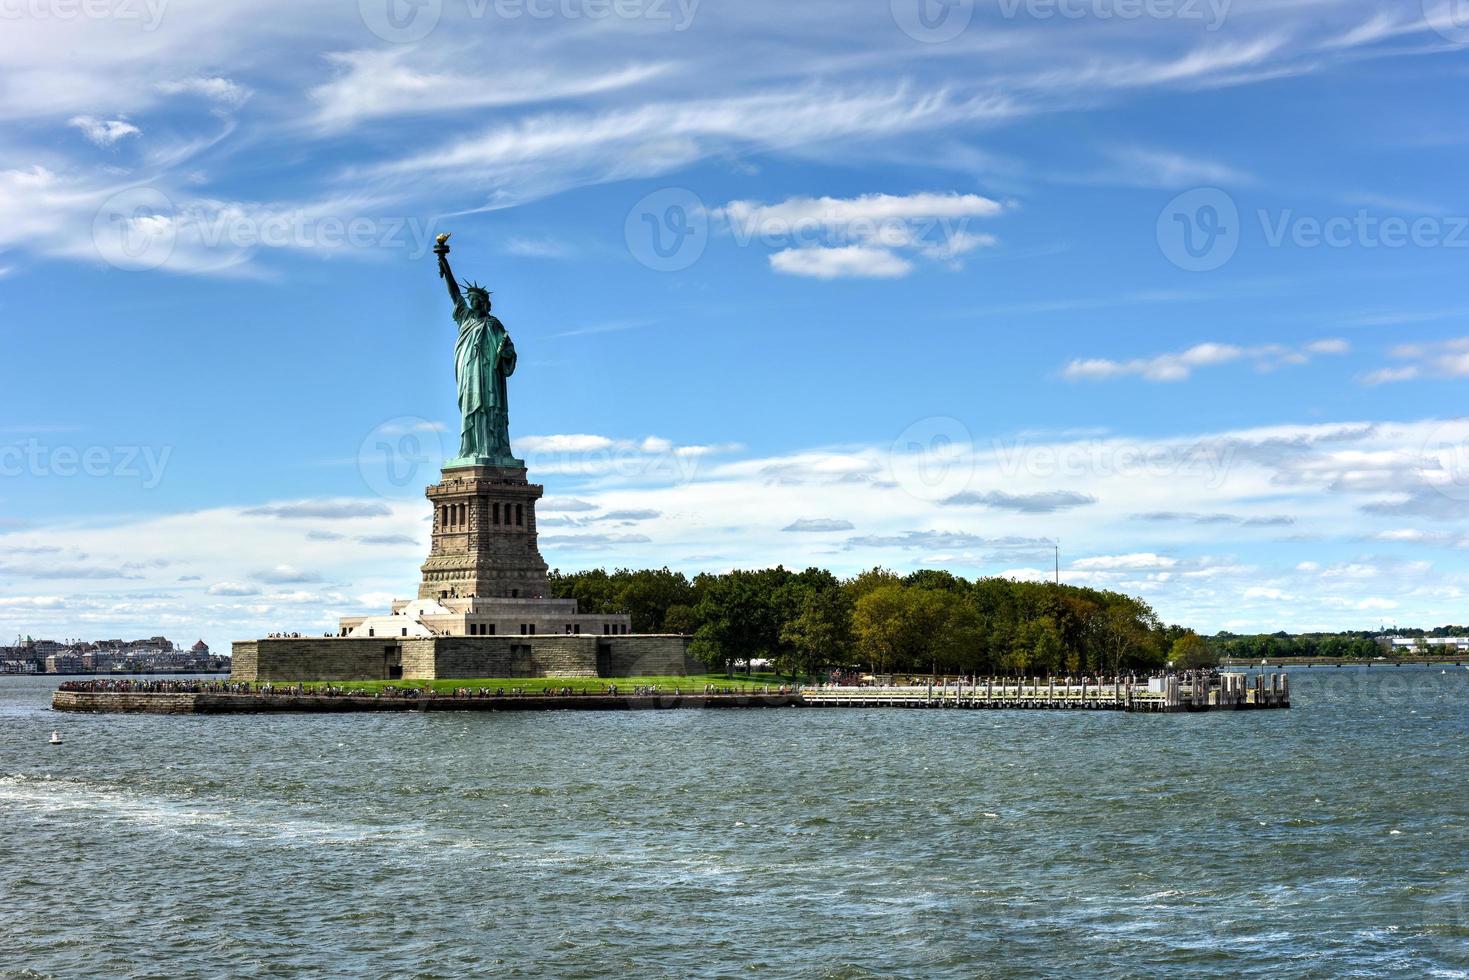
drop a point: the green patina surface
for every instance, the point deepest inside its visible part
(484, 357)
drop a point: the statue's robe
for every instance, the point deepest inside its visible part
(483, 358)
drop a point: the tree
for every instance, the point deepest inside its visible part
(930, 620)
(865, 582)
(1191, 650)
(1129, 634)
(1037, 647)
(880, 625)
(821, 633)
(960, 646)
(737, 617)
(648, 595)
(593, 590)
(681, 619)
(900, 628)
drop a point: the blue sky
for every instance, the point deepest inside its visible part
(1178, 284)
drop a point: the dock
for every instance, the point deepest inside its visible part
(1166, 695)
(1173, 693)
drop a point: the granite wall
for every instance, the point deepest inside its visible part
(316, 659)
(647, 655)
(446, 657)
(506, 656)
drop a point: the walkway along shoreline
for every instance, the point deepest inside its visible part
(1227, 693)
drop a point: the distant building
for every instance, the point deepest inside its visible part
(156, 654)
(1437, 645)
(64, 663)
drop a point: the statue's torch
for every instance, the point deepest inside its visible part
(441, 249)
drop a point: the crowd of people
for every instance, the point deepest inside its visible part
(202, 686)
(124, 686)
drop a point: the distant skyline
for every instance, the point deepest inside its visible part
(829, 283)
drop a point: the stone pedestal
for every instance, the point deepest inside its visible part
(484, 536)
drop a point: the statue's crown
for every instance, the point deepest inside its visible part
(474, 287)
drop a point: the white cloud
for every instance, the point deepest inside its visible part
(1437, 359)
(1109, 563)
(860, 237)
(97, 218)
(866, 217)
(818, 525)
(34, 602)
(575, 443)
(398, 81)
(1180, 365)
(501, 110)
(284, 575)
(1383, 376)
(538, 248)
(104, 132)
(845, 262)
(1142, 167)
(318, 510)
(233, 589)
(561, 505)
(263, 570)
(542, 154)
(216, 88)
(1210, 65)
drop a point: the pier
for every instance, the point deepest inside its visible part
(1170, 694)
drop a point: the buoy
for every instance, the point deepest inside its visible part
(55, 738)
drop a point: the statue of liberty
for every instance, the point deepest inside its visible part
(483, 358)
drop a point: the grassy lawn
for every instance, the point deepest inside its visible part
(591, 685)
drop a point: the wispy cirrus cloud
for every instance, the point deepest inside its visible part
(374, 83)
(1181, 365)
(1435, 359)
(329, 510)
(548, 152)
(1205, 520)
(104, 132)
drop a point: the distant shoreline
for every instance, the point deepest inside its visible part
(115, 673)
(1455, 661)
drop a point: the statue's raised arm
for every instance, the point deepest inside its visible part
(442, 251)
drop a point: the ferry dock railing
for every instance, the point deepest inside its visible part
(1171, 693)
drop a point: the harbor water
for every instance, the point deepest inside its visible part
(1326, 840)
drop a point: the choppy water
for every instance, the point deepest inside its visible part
(1327, 840)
